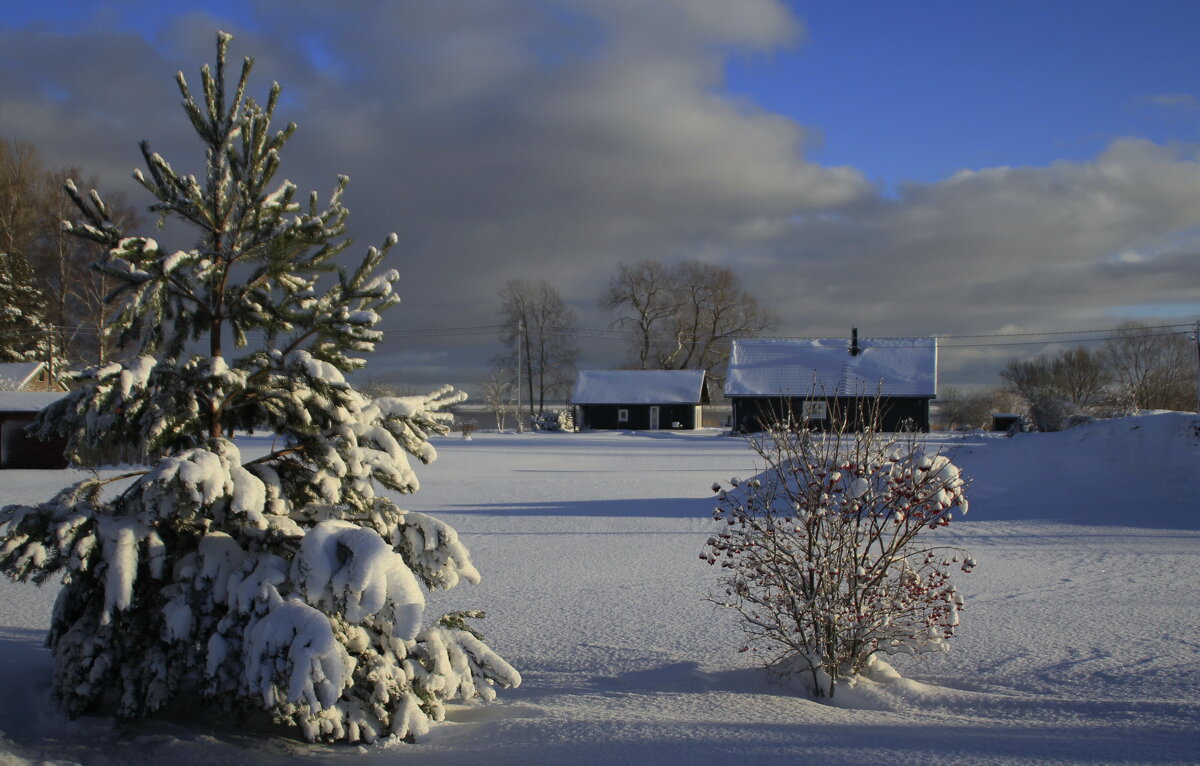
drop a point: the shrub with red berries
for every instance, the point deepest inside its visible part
(826, 551)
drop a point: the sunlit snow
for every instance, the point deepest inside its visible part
(1078, 643)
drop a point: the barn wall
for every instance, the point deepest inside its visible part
(603, 417)
(683, 414)
(896, 413)
(20, 450)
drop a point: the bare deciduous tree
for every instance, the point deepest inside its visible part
(500, 397)
(1082, 376)
(645, 297)
(1054, 387)
(33, 206)
(535, 318)
(715, 309)
(1153, 369)
(24, 188)
(76, 291)
(684, 315)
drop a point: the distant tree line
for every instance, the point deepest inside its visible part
(51, 300)
(1138, 368)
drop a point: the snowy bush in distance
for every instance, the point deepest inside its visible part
(1050, 414)
(825, 553)
(554, 420)
(285, 583)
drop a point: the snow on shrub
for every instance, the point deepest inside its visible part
(285, 582)
(825, 552)
(554, 420)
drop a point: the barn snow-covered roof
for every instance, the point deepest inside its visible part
(825, 367)
(27, 401)
(639, 387)
(16, 375)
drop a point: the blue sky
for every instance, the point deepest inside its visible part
(945, 168)
(918, 91)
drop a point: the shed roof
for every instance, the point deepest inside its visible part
(639, 387)
(27, 401)
(16, 375)
(825, 366)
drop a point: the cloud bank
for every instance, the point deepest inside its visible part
(558, 139)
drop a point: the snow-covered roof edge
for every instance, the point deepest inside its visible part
(826, 367)
(639, 387)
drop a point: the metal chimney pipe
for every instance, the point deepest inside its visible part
(854, 349)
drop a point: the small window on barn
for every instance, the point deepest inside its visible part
(815, 411)
(622, 416)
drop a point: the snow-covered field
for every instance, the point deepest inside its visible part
(1080, 643)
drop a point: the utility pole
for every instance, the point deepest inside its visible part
(50, 378)
(1196, 338)
(520, 333)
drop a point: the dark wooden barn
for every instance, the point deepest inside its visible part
(826, 380)
(639, 399)
(17, 448)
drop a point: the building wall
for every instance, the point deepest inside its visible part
(20, 450)
(896, 413)
(601, 417)
(43, 382)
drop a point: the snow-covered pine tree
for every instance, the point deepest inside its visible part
(281, 581)
(24, 336)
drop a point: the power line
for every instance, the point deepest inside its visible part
(1076, 340)
(1046, 337)
(420, 332)
(1063, 332)
(594, 333)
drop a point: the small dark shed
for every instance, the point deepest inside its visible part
(818, 379)
(1005, 421)
(17, 448)
(639, 399)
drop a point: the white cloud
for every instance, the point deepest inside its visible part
(1173, 100)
